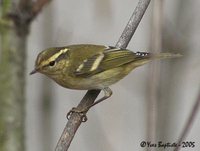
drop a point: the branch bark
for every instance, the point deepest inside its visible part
(12, 77)
(75, 119)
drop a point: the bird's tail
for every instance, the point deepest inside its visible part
(144, 57)
(165, 55)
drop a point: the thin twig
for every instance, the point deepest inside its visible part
(133, 23)
(75, 119)
(189, 123)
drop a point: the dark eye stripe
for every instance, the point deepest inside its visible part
(46, 54)
(61, 57)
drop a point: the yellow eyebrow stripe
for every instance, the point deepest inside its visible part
(52, 58)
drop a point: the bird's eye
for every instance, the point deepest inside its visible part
(52, 63)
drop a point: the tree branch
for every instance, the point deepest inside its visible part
(13, 14)
(32, 8)
(75, 119)
(132, 24)
(25, 13)
(37, 7)
(189, 123)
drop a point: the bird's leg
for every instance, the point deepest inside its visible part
(82, 112)
(107, 94)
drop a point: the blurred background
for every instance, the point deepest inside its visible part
(151, 103)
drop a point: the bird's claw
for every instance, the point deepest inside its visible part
(81, 113)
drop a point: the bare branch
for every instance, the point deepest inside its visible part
(75, 119)
(189, 123)
(133, 24)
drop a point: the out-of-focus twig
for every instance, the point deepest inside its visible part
(33, 8)
(38, 5)
(156, 46)
(25, 13)
(75, 119)
(189, 122)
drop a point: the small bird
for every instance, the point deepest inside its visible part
(87, 66)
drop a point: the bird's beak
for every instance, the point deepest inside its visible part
(34, 71)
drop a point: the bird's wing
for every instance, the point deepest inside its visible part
(108, 59)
